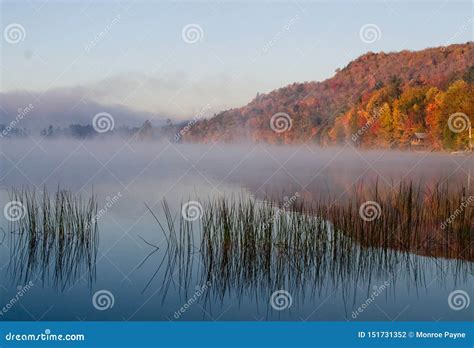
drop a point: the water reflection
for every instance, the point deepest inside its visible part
(56, 241)
(237, 253)
(336, 267)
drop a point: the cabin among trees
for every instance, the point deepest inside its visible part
(419, 141)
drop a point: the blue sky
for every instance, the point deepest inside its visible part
(141, 60)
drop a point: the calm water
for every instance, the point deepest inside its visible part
(130, 175)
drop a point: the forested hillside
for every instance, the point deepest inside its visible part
(390, 96)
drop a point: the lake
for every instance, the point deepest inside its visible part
(127, 275)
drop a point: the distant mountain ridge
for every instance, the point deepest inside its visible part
(316, 109)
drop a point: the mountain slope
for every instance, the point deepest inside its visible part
(316, 108)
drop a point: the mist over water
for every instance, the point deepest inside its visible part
(260, 169)
(148, 172)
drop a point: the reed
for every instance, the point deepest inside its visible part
(57, 236)
(434, 221)
(241, 244)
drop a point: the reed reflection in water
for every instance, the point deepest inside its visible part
(245, 248)
(55, 240)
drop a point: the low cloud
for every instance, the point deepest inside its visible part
(178, 95)
(131, 98)
(64, 106)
